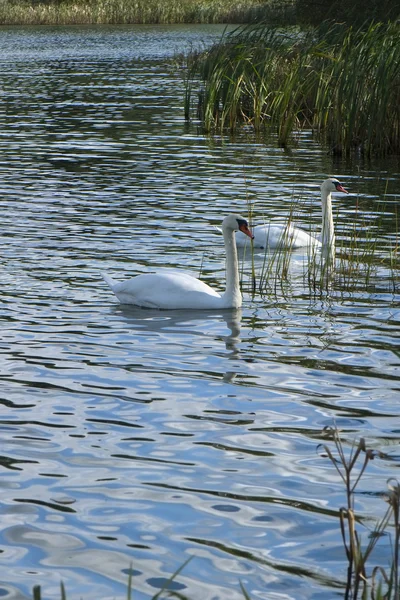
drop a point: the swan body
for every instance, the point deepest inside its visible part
(178, 290)
(273, 235)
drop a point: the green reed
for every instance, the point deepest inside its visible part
(271, 268)
(65, 12)
(361, 259)
(341, 82)
(363, 255)
(353, 264)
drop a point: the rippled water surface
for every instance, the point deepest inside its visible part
(136, 439)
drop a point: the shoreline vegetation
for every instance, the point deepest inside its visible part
(338, 80)
(143, 12)
(273, 12)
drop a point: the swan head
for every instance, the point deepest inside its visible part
(333, 185)
(237, 223)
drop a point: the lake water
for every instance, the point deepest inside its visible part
(137, 439)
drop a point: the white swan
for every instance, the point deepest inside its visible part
(176, 290)
(270, 235)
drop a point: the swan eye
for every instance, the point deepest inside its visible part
(339, 187)
(242, 223)
(244, 228)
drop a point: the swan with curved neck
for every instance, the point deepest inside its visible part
(272, 235)
(176, 290)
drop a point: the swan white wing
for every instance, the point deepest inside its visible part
(272, 236)
(302, 239)
(165, 290)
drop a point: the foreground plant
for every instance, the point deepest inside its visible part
(351, 467)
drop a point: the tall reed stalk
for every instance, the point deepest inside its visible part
(354, 263)
(342, 82)
(364, 582)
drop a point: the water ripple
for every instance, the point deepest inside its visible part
(146, 438)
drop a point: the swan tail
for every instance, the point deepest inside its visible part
(109, 281)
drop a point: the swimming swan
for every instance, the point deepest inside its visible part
(270, 235)
(167, 290)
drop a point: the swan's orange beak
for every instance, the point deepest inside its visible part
(340, 188)
(244, 228)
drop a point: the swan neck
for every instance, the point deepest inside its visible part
(328, 230)
(232, 296)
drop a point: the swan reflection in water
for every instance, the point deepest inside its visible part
(193, 323)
